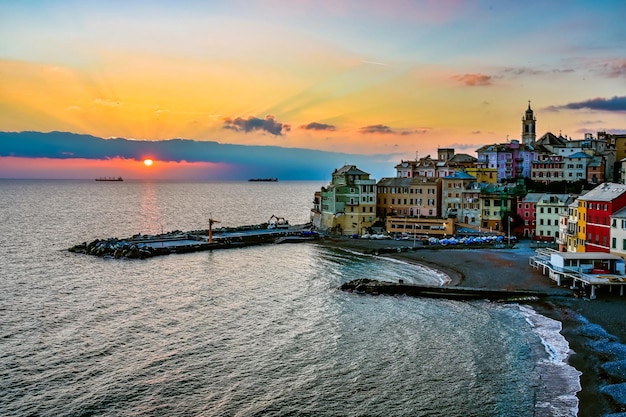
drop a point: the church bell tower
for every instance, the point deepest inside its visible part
(528, 127)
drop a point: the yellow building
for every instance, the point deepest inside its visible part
(409, 197)
(581, 235)
(483, 175)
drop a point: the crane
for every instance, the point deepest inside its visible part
(211, 221)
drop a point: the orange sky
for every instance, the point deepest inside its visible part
(347, 76)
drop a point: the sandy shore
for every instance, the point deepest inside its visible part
(510, 269)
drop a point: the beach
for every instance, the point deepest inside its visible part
(510, 269)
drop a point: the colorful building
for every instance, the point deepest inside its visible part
(348, 204)
(408, 197)
(513, 159)
(549, 168)
(598, 205)
(458, 198)
(527, 210)
(618, 233)
(549, 209)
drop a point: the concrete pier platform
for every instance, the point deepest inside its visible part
(146, 246)
(376, 287)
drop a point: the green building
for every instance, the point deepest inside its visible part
(348, 204)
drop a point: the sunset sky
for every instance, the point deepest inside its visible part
(385, 79)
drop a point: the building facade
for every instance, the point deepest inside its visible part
(576, 166)
(599, 205)
(549, 208)
(454, 198)
(527, 210)
(348, 204)
(549, 168)
(618, 233)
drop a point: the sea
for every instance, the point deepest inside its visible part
(255, 331)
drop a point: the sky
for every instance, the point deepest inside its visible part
(386, 80)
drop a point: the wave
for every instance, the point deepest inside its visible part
(611, 353)
(558, 381)
(426, 274)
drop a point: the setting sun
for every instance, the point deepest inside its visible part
(147, 162)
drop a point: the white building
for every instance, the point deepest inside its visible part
(618, 233)
(575, 168)
(549, 209)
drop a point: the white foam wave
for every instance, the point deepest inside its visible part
(437, 276)
(441, 277)
(559, 382)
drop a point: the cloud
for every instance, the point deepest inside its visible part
(376, 129)
(107, 102)
(381, 129)
(415, 132)
(462, 146)
(473, 80)
(522, 71)
(247, 161)
(318, 126)
(615, 69)
(375, 63)
(516, 72)
(614, 104)
(269, 125)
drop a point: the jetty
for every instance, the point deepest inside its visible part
(582, 270)
(145, 246)
(376, 287)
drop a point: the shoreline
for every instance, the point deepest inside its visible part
(509, 269)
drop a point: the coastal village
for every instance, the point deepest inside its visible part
(566, 194)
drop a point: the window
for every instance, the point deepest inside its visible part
(613, 243)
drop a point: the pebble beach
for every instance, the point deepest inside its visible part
(595, 329)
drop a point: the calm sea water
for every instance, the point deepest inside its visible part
(243, 332)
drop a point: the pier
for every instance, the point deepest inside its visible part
(145, 246)
(581, 269)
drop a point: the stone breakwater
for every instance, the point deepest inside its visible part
(145, 246)
(376, 287)
(114, 248)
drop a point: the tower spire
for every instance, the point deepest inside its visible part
(528, 127)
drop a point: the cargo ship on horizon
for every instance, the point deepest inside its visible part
(109, 179)
(273, 179)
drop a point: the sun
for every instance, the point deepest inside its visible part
(148, 162)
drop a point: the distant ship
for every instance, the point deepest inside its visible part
(109, 179)
(263, 179)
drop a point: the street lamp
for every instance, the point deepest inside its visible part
(509, 224)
